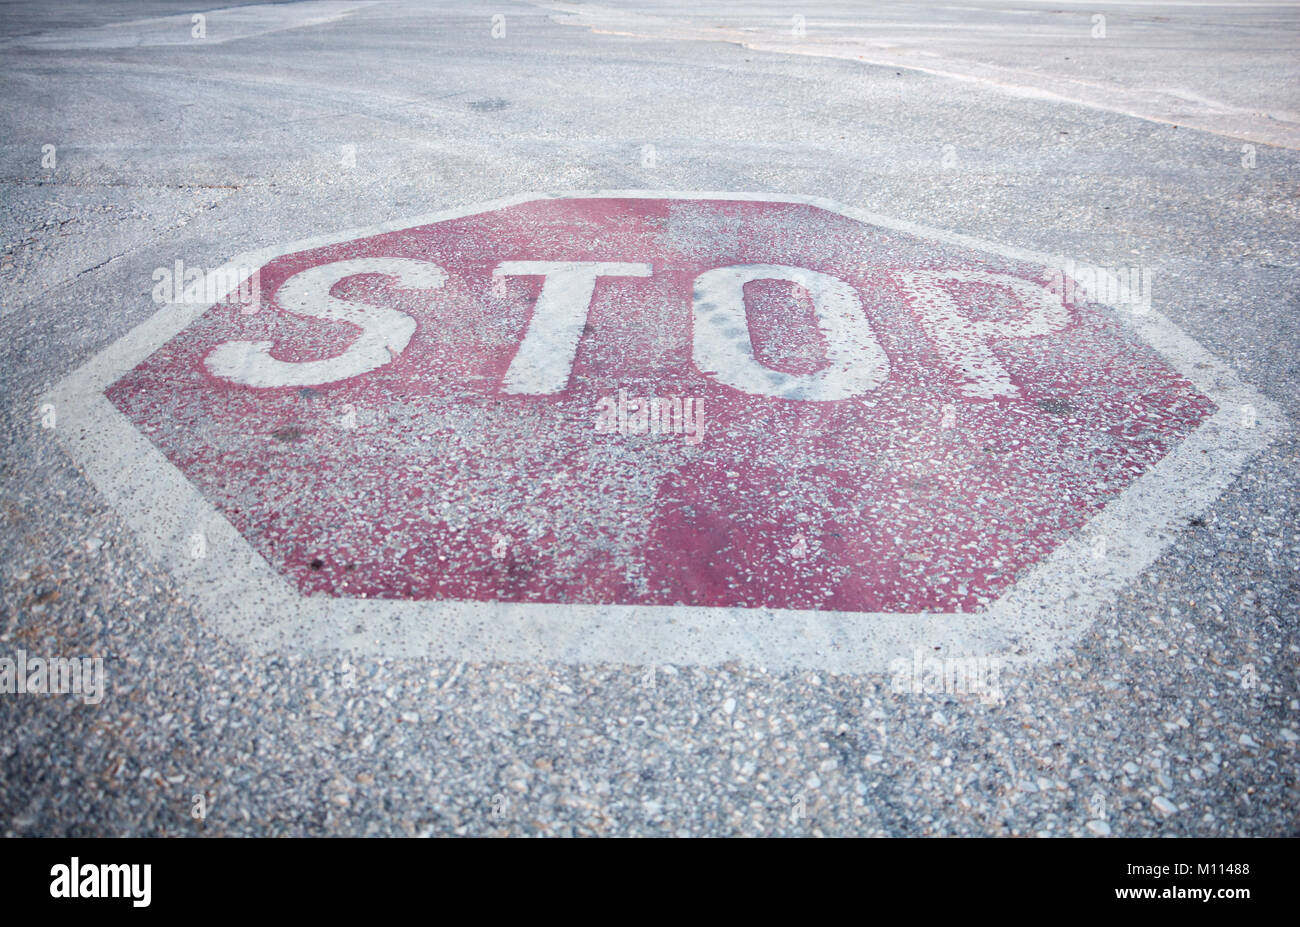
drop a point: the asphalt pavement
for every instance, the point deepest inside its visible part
(1163, 137)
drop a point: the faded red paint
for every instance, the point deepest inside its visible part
(865, 504)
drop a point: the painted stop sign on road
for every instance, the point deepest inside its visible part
(659, 427)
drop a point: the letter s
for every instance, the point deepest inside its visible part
(384, 332)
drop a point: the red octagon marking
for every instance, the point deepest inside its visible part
(914, 425)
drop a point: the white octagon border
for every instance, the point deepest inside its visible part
(1037, 619)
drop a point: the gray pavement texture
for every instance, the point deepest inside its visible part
(1168, 143)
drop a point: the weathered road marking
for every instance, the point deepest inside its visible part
(461, 435)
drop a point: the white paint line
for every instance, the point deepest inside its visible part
(218, 27)
(903, 48)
